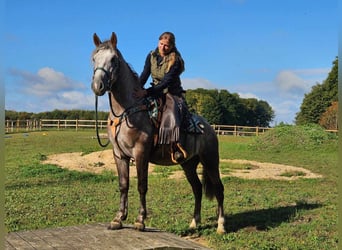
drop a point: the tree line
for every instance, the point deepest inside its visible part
(74, 114)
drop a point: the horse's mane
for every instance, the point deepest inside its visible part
(107, 45)
(129, 66)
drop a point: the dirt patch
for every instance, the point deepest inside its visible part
(97, 162)
(266, 170)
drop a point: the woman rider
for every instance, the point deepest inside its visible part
(165, 64)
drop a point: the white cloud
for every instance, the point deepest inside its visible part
(285, 110)
(73, 100)
(288, 81)
(46, 82)
(299, 80)
(194, 83)
(248, 95)
(47, 89)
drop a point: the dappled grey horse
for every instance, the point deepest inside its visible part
(131, 133)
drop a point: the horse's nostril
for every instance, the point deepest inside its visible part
(98, 88)
(102, 86)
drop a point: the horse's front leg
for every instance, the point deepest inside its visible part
(142, 174)
(122, 166)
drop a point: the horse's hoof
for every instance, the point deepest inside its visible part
(220, 230)
(115, 225)
(139, 226)
(193, 224)
(220, 226)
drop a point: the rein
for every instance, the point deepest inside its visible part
(97, 127)
(123, 115)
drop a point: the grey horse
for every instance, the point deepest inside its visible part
(131, 133)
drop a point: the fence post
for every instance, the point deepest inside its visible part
(257, 131)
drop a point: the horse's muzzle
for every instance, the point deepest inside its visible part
(98, 88)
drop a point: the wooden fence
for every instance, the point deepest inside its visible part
(239, 130)
(45, 124)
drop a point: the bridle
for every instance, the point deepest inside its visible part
(104, 70)
(110, 75)
(111, 79)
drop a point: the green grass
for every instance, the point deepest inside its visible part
(261, 214)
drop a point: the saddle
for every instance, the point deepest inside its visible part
(190, 123)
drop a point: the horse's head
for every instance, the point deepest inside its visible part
(105, 59)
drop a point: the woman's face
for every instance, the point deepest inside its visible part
(164, 47)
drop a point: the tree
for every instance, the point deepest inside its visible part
(319, 99)
(212, 110)
(264, 114)
(231, 106)
(204, 103)
(257, 113)
(222, 107)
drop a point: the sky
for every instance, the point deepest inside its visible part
(270, 50)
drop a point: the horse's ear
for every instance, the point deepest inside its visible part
(97, 40)
(113, 40)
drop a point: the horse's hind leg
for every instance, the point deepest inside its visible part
(189, 168)
(122, 166)
(213, 186)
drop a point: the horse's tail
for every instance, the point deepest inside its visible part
(208, 186)
(210, 160)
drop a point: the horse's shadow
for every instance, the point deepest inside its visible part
(265, 219)
(260, 220)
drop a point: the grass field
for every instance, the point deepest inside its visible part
(261, 214)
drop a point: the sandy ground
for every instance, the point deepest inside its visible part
(97, 162)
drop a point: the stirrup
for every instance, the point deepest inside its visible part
(181, 150)
(173, 158)
(185, 154)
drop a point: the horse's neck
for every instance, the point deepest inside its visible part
(122, 94)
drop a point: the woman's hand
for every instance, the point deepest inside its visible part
(139, 93)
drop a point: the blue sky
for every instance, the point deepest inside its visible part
(270, 50)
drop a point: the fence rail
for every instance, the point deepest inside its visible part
(42, 124)
(239, 130)
(61, 124)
